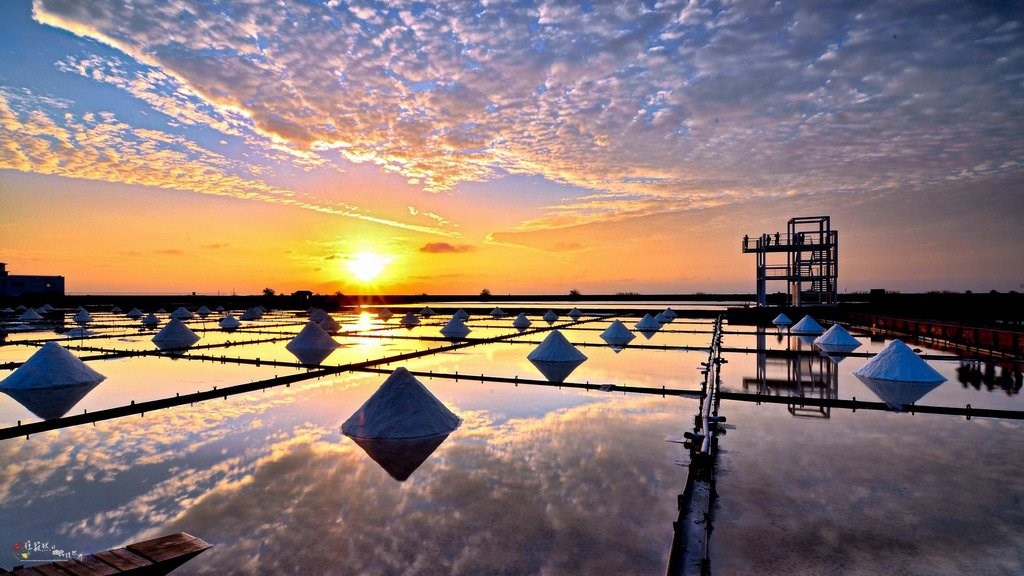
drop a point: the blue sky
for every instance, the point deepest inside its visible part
(546, 134)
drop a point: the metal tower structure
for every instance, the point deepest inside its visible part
(806, 258)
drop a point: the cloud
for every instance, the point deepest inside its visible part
(677, 107)
(446, 248)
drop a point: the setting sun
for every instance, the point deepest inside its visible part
(367, 266)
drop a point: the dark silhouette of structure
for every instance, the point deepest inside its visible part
(810, 269)
(20, 285)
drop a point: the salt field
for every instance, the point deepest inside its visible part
(562, 454)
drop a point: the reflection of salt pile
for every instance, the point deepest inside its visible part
(575, 313)
(400, 457)
(312, 345)
(51, 381)
(229, 322)
(455, 328)
(782, 320)
(402, 408)
(409, 320)
(617, 335)
(898, 376)
(556, 357)
(182, 313)
(175, 335)
(80, 332)
(151, 321)
(807, 325)
(521, 321)
(550, 316)
(385, 314)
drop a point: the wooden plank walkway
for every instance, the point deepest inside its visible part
(154, 557)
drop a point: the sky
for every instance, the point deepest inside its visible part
(167, 146)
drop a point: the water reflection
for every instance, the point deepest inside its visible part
(400, 457)
(52, 402)
(896, 393)
(799, 373)
(977, 374)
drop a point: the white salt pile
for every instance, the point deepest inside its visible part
(30, 316)
(175, 335)
(550, 316)
(51, 367)
(318, 315)
(556, 357)
(648, 323)
(455, 328)
(329, 324)
(115, 310)
(836, 337)
(461, 315)
(617, 335)
(670, 313)
(134, 314)
(575, 313)
(229, 322)
(899, 363)
(410, 320)
(83, 317)
(385, 314)
(182, 313)
(497, 312)
(203, 312)
(402, 408)
(151, 321)
(253, 313)
(782, 320)
(426, 312)
(521, 321)
(312, 345)
(807, 325)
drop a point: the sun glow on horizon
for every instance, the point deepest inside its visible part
(367, 266)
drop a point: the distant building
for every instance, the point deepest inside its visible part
(16, 285)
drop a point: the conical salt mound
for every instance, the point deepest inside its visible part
(253, 313)
(115, 310)
(899, 363)
(134, 314)
(497, 312)
(617, 335)
(782, 320)
(670, 314)
(151, 321)
(385, 314)
(51, 367)
(181, 314)
(312, 345)
(401, 408)
(8, 310)
(837, 336)
(575, 313)
(47, 307)
(807, 325)
(30, 316)
(426, 312)
(410, 320)
(204, 311)
(312, 337)
(229, 322)
(521, 321)
(461, 315)
(175, 335)
(455, 328)
(647, 323)
(83, 317)
(550, 316)
(660, 318)
(329, 324)
(161, 311)
(556, 348)
(20, 308)
(318, 315)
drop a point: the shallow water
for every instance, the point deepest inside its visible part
(536, 480)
